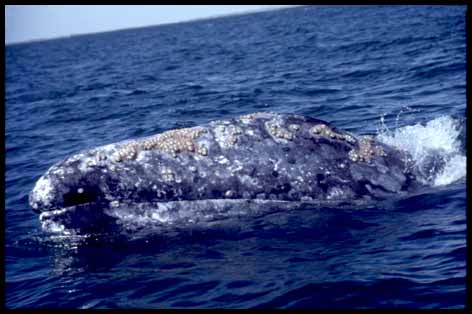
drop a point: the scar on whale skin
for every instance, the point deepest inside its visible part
(271, 156)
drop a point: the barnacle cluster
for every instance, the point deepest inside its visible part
(127, 152)
(167, 175)
(276, 130)
(326, 131)
(366, 150)
(101, 156)
(249, 115)
(247, 118)
(202, 150)
(93, 157)
(171, 142)
(227, 135)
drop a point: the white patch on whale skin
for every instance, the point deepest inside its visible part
(59, 172)
(235, 166)
(222, 160)
(335, 193)
(142, 157)
(300, 179)
(249, 181)
(161, 216)
(43, 190)
(250, 132)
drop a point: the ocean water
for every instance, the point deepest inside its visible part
(395, 72)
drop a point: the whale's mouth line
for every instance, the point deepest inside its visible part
(108, 218)
(200, 202)
(95, 204)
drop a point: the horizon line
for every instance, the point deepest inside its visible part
(217, 16)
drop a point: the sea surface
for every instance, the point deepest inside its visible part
(395, 72)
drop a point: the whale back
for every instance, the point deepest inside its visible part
(263, 156)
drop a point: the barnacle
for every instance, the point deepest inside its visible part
(326, 131)
(366, 150)
(202, 150)
(276, 130)
(172, 142)
(167, 175)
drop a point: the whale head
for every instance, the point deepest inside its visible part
(65, 184)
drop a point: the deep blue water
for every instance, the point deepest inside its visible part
(346, 65)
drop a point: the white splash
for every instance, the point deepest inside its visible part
(54, 227)
(454, 170)
(434, 146)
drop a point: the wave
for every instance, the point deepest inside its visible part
(435, 147)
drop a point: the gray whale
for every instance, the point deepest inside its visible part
(260, 156)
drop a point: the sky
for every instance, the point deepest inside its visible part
(35, 22)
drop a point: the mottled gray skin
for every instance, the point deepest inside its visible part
(240, 158)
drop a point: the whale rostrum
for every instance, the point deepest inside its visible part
(259, 156)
